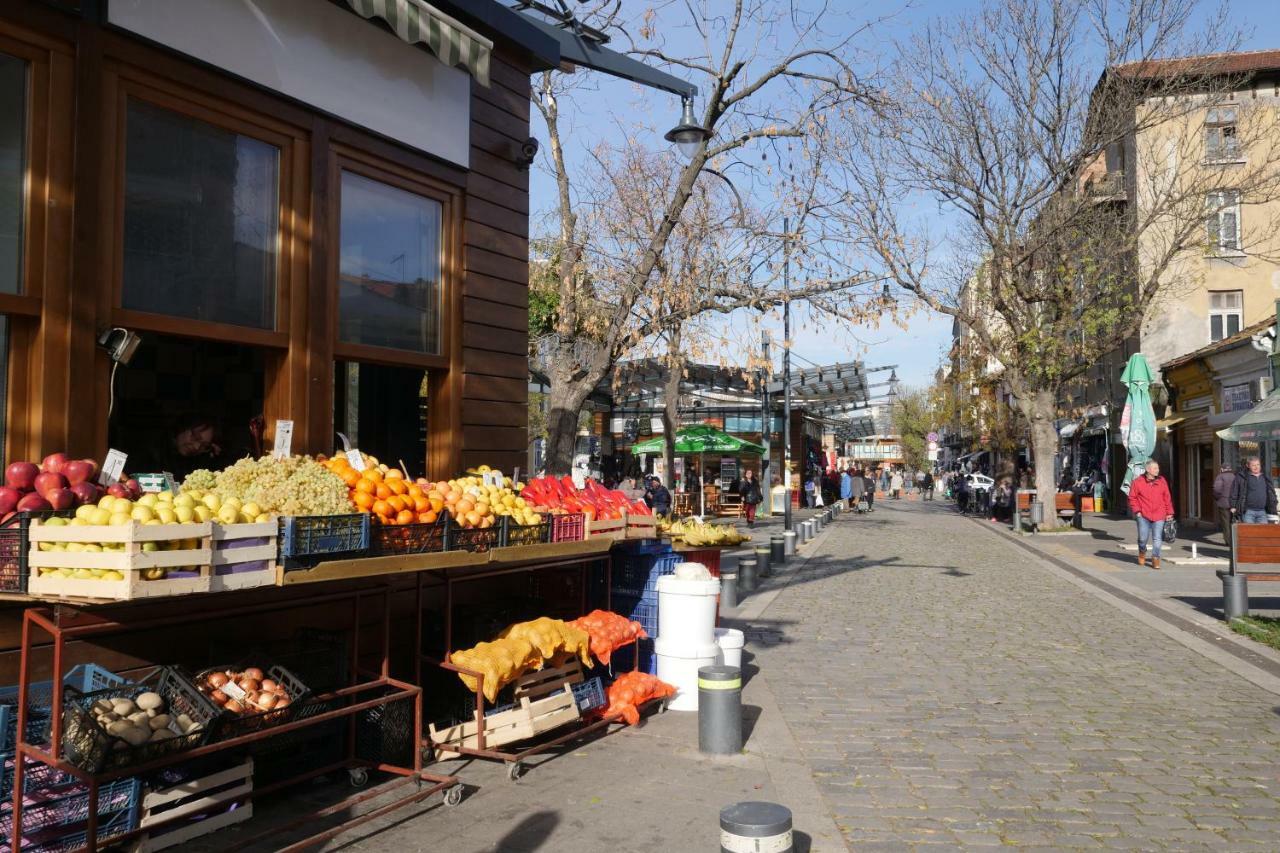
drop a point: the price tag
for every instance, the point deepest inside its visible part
(112, 467)
(356, 460)
(169, 483)
(235, 691)
(151, 483)
(492, 478)
(284, 439)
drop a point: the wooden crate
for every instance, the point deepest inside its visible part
(641, 526)
(544, 701)
(204, 801)
(607, 528)
(130, 562)
(244, 555)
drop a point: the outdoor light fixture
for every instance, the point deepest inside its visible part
(688, 134)
(885, 292)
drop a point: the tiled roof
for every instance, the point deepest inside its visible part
(1235, 340)
(1244, 62)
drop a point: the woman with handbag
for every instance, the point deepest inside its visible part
(751, 496)
(1152, 506)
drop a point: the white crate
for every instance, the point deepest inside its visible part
(226, 555)
(130, 562)
(194, 798)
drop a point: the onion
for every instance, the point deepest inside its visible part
(267, 702)
(234, 707)
(282, 702)
(270, 686)
(250, 685)
(254, 673)
(217, 679)
(219, 697)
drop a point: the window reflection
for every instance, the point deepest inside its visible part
(13, 157)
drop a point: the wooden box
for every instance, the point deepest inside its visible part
(641, 526)
(607, 528)
(544, 701)
(189, 568)
(204, 801)
(244, 555)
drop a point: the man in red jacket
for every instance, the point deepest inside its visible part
(1152, 506)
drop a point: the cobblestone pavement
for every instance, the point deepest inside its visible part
(947, 690)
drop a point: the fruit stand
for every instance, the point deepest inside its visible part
(271, 537)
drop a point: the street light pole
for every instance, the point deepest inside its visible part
(766, 417)
(786, 371)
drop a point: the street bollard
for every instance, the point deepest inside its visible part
(747, 575)
(800, 537)
(728, 591)
(756, 826)
(1235, 596)
(763, 553)
(817, 521)
(808, 531)
(789, 545)
(720, 710)
(777, 550)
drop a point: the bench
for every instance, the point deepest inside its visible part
(1065, 504)
(1251, 544)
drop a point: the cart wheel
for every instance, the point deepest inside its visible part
(428, 754)
(359, 777)
(514, 769)
(453, 796)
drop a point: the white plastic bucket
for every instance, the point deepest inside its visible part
(730, 641)
(678, 666)
(687, 611)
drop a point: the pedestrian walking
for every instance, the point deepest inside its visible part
(846, 487)
(926, 485)
(1222, 500)
(884, 479)
(857, 491)
(809, 489)
(870, 485)
(751, 496)
(1152, 506)
(895, 484)
(1253, 497)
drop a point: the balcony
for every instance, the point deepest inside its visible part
(1106, 187)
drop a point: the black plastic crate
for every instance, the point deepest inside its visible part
(88, 746)
(284, 756)
(385, 733)
(306, 540)
(524, 534)
(230, 725)
(318, 656)
(14, 547)
(417, 538)
(475, 539)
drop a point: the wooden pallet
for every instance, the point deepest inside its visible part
(230, 551)
(131, 562)
(195, 799)
(544, 702)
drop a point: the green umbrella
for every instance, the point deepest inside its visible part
(1138, 423)
(699, 439)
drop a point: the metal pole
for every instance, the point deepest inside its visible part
(766, 421)
(786, 371)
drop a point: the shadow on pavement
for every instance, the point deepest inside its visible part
(1212, 605)
(750, 714)
(530, 833)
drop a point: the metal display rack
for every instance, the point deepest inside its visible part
(62, 623)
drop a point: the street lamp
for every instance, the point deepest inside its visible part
(688, 135)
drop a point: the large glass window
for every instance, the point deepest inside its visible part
(201, 220)
(389, 274)
(13, 167)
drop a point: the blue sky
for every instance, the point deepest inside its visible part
(610, 109)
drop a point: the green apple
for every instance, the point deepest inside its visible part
(150, 546)
(229, 514)
(185, 514)
(166, 515)
(100, 516)
(148, 500)
(119, 505)
(165, 497)
(184, 500)
(203, 513)
(82, 574)
(142, 512)
(56, 521)
(119, 519)
(213, 502)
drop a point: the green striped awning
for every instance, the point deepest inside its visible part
(416, 22)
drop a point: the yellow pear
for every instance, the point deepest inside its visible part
(213, 502)
(142, 512)
(167, 515)
(184, 514)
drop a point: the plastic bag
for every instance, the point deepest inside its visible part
(632, 690)
(609, 632)
(554, 639)
(501, 662)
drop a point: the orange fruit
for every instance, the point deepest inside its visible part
(473, 518)
(415, 492)
(366, 486)
(437, 503)
(405, 516)
(381, 508)
(383, 491)
(363, 500)
(396, 486)
(396, 503)
(395, 474)
(420, 504)
(465, 506)
(350, 476)
(427, 517)
(373, 474)
(452, 496)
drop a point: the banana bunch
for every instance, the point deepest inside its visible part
(697, 534)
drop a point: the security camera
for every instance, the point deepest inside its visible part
(528, 151)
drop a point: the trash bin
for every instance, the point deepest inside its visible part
(1235, 596)
(1037, 512)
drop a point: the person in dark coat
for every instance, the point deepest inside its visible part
(752, 496)
(1253, 496)
(1222, 500)
(658, 497)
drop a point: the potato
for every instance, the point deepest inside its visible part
(136, 736)
(148, 701)
(103, 705)
(185, 722)
(139, 718)
(109, 717)
(162, 734)
(193, 728)
(124, 707)
(159, 721)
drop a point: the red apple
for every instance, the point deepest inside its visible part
(87, 493)
(61, 498)
(33, 503)
(117, 490)
(9, 498)
(79, 471)
(54, 463)
(93, 463)
(48, 481)
(21, 476)
(134, 488)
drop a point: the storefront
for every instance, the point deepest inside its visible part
(243, 203)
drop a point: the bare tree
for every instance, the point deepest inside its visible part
(1069, 157)
(772, 80)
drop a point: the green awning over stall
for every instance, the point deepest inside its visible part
(1261, 423)
(701, 438)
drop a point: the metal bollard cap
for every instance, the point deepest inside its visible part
(755, 819)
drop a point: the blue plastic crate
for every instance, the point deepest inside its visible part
(38, 776)
(318, 535)
(638, 573)
(590, 695)
(55, 819)
(642, 609)
(85, 678)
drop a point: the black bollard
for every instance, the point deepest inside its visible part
(728, 590)
(754, 825)
(720, 710)
(763, 568)
(747, 575)
(777, 550)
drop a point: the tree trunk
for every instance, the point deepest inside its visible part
(564, 401)
(671, 407)
(1041, 407)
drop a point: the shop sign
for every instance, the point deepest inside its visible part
(1237, 398)
(112, 467)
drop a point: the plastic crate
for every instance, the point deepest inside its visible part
(314, 537)
(320, 657)
(386, 734)
(641, 608)
(55, 819)
(14, 547)
(709, 557)
(89, 747)
(637, 572)
(85, 678)
(514, 535)
(229, 725)
(475, 539)
(571, 527)
(590, 695)
(389, 539)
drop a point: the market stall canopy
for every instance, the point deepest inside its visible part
(1261, 423)
(416, 22)
(701, 438)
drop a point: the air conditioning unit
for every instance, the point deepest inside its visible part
(1260, 388)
